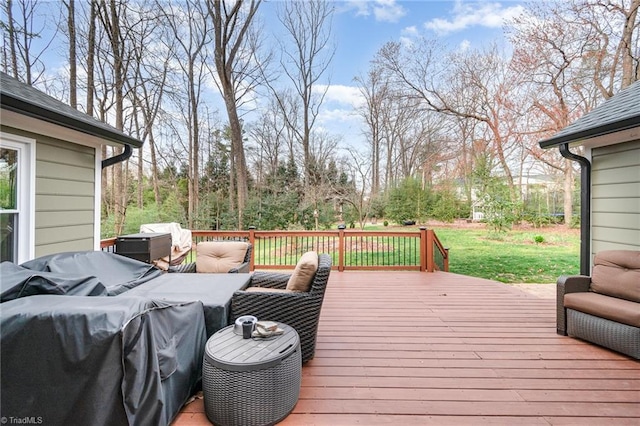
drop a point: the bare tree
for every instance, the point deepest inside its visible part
(472, 85)
(359, 168)
(25, 56)
(609, 32)
(118, 24)
(375, 91)
(70, 5)
(91, 54)
(235, 49)
(269, 135)
(10, 29)
(309, 26)
(191, 31)
(147, 85)
(560, 56)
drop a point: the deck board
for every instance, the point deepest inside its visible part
(439, 348)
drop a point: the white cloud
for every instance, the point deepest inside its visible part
(410, 31)
(465, 45)
(342, 95)
(388, 11)
(466, 15)
(361, 7)
(382, 10)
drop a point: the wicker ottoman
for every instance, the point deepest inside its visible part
(251, 381)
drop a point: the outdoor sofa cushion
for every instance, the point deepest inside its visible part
(616, 273)
(304, 272)
(220, 256)
(599, 305)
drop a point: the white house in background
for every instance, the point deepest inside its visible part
(50, 173)
(610, 175)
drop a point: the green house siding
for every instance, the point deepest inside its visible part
(615, 208)
(65, 199)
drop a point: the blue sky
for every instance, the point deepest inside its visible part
(361, 27)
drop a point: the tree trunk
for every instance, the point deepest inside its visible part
(240, 162)
(568, 194)
(195, 151)
(91, 51)
(154, 169)
(12, 38)
(629, 75)
(73, 73)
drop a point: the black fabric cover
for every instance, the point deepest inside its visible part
(16, 281)
(213, 290)
(116, 272)
(99, 360)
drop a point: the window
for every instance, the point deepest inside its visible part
(16, 195)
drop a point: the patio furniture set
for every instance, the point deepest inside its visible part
(100, 338)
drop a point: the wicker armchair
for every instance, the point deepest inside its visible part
(242, 268)
(300, 310)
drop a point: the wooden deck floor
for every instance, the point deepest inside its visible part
(409, 348)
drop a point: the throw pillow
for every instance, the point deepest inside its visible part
(304, 272)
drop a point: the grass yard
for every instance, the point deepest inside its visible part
(514, 256)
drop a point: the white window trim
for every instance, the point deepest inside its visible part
(97, 201)
(26, 148)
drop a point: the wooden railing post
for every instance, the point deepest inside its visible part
(341, 248)
(430, 254)
(252, 241)
(446, 260)
(423, 249)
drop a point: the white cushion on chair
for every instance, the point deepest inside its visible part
(267, 290)
(304, 272)
(220, 256)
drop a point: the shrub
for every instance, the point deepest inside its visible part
(538, 239)
(385, 223)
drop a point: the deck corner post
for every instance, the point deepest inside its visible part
(429, 251)
(341, 249)
(252, 241)
(423, 249)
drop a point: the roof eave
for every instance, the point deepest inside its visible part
(18, 105)
(605, 129)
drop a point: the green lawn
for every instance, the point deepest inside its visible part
(512, 257)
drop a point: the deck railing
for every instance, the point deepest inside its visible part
(350, 249)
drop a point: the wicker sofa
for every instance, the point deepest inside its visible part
(603, 308)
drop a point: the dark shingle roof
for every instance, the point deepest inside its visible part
(620, 112)
(24, 99)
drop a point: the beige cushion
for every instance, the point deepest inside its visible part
(304, 272)
(612, 308)
(268, 290)
(220, 256)
(616, 273)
